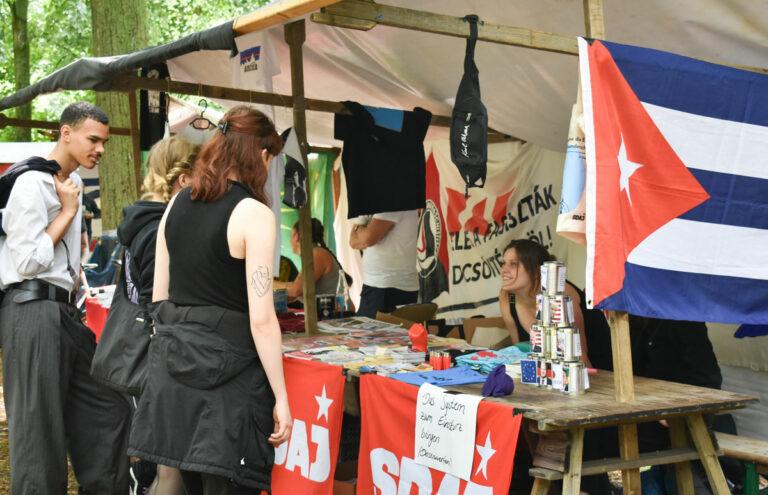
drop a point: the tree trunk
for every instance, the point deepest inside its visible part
(19, 10)
(119, 26)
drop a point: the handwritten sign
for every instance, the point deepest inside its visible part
(445, 430)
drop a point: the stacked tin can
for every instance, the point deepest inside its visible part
(555, 341)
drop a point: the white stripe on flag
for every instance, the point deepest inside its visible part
(712, 144)
(589, 142)
(705, 248)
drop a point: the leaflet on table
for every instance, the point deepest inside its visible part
(445, 430)
(345, 325)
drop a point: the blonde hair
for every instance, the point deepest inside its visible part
(168, 159)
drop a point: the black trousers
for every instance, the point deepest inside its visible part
(374, 299)
(54, 407)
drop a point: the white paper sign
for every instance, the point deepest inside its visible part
(445, 430)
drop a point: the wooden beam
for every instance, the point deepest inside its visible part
(679, 439)
(127, 82)
(572, 475)
(629, 451)
(430, 22)
(294, 36)
(593, 19)
(621, 347)
(707, 454)
(276, 13)
(45, 124)
(342, 22)
(133, 109)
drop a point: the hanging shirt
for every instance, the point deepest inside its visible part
(380, 159)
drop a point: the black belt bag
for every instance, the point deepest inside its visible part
(37, 290)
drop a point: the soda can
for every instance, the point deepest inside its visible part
(537, 345)
(553, 278)
(574, 378)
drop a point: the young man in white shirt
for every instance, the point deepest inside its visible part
(54, 407)
(388, 242)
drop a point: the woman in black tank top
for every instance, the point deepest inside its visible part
(521, 281)
(215, 403)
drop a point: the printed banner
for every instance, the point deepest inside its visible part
(386, 464)
(462, 239)
(307, 461)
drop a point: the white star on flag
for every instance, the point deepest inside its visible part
(323, 403)
(627, 168)
(486, 452)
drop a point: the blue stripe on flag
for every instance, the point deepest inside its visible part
(735, 200)
(690, 296)
(693, 86)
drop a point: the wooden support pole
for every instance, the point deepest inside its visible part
(430, 22)
(276, 13)
(133, 108)
(621, 347)
(128, 82)
(593, 18)
(707, 454)
(572, 475)
(294, 36)
(679, 439)
(629, 450)
(540, 486)
(45, 124)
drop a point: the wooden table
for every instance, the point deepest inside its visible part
(682, 406)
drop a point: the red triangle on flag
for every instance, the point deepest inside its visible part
(641, 183)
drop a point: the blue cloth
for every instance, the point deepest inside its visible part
(486, 361)
(458, 375)
(751, 331)
(387, 118)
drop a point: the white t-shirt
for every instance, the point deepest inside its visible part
(391, 262)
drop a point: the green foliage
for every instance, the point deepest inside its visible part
(60, 33)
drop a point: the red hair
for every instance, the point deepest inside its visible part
(236, 150)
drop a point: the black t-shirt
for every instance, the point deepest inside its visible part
(385, 170)
(202, 272)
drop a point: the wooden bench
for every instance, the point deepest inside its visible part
(752, 453)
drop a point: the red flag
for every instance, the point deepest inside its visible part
(641, 183)
(386, 465)
(305, 464)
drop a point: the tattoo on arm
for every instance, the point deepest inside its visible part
(261, 280)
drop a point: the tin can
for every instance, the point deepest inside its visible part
(545, 312)
(558, 370)
(568, 347)
(553, 278)
(550, 373)
(537, 344)
(574, 378)
(542, 373)
(561, 309)
(555, 351)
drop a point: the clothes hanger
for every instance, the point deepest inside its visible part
(202, 123)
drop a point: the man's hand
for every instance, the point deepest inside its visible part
(69, 195)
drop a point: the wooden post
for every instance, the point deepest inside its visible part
(593, 18)
(133, 108)
(294, 36)
(572, 475)
(679, 439)
(703, 442)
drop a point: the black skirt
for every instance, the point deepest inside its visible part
(207, 404)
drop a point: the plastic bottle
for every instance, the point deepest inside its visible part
(342, 294)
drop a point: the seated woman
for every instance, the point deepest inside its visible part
(521, 281)
(326, 267)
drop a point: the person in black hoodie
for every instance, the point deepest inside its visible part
(169, 166)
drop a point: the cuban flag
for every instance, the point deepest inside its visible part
(677, 185)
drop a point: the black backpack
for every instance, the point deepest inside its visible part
(8, 179)
(469, 120)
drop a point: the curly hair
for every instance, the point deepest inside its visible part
(168, 159)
